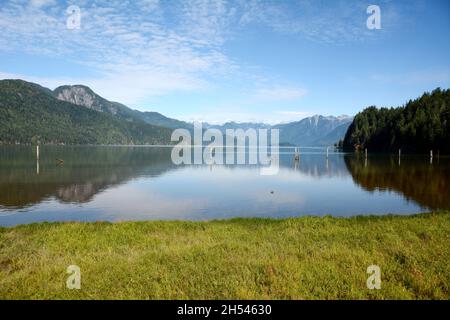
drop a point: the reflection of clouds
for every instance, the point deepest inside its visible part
(195, 193)
(279, 198)
(231, 173)
(144, 200)
(160, 192)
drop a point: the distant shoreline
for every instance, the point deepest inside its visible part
(285, 146)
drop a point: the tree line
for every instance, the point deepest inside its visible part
(419, 126)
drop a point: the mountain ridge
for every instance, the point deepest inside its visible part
(84, 96)
(316, 130)
(29, 112)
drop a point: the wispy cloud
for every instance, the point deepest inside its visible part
(136, 50)
(317, 21)
(133, 52)
(182, 38)
(41, 3)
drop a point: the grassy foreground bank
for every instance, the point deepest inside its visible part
(302, 258)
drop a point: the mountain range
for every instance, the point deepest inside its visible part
(77, 115)
(84, 96)
(314, 131)
(29, 112)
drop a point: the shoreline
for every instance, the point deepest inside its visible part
(233, 219)
(256, 258)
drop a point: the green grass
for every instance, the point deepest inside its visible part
(302, 258)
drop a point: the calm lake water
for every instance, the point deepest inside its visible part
(142, 183)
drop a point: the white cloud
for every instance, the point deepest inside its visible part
(146, 48)
(149, 5)
(120, 87)
(207, 21)
(41, 3)
(339, 21)
(135, 58)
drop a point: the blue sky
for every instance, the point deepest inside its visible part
(244, 60)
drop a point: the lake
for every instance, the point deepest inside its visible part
(142, 183)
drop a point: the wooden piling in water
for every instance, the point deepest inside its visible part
(37, 152)
(366, 153)
(297, 154)
(327, 152)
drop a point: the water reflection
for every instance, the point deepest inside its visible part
(85, 172)
(425, 183)
(132, 183)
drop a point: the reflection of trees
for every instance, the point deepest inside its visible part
(427, 184)
(89, 170)
(86, 171)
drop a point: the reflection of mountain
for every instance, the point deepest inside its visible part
(316, 165)
(427, 184)
(86, 171)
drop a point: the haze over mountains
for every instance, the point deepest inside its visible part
(28, 110)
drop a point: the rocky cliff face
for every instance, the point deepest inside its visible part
(84, 96)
